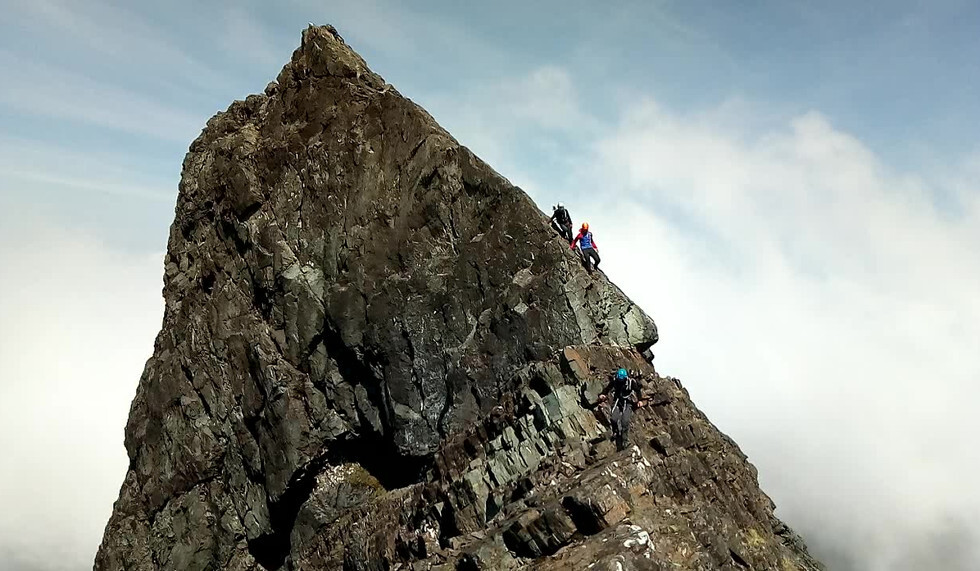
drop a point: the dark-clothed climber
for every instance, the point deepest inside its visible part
(625, 393)
(561, 221)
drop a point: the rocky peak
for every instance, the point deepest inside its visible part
(376, 354)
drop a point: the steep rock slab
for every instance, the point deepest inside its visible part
(349, 295)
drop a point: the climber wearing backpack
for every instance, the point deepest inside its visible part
(561, 221)
(625, 393)
(590, 253)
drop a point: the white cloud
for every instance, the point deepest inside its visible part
(820, 305)
(77, 322)
(122, 36)
(243, 36)
(26, 165)
(544, 99)
(400, 29)
(48, 91)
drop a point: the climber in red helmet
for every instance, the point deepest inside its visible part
(590, 253)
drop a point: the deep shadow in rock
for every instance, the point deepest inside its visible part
(270, 550)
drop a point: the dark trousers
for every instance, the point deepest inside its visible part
(619, 418)
(591, 258)
(565, 230)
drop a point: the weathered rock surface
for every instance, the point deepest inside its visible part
(376, 355)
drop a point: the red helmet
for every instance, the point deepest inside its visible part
(585, 226)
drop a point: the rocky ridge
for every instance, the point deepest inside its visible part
(375, 354)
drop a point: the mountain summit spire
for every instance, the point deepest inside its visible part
(376, 354)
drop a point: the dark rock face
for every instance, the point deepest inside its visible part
(376, 355)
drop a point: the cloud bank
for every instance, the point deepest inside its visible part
(77, 322)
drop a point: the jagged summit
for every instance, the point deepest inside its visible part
(376, 354)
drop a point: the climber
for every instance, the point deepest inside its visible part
(590, 253)
(626, 397)
(561, 221)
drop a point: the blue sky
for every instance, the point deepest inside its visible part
(789, 188)
(132, 83)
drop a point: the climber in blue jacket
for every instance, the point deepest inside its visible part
(590, 251)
